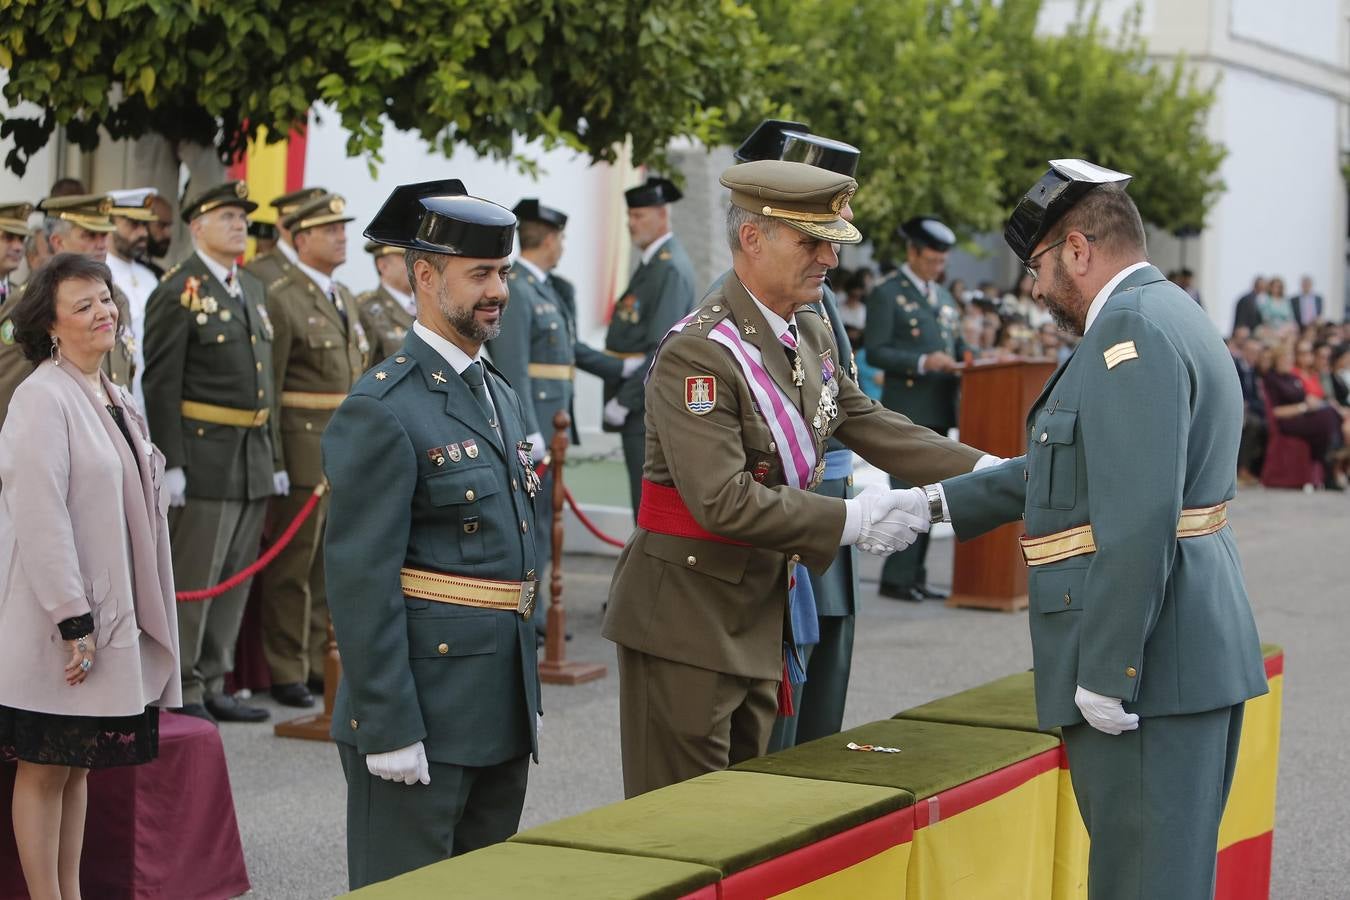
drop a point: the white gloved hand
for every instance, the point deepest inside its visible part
(988, 460)
(1106, 714)
(537, 448)
(408, 765)
(615, 413)
(882, 521)
(175, 482)
(281, 483)
(632, 365)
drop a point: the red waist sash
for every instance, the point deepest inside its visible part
(662, 511)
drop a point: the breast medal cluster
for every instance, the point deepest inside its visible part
(523, 449)
(828, 409)
(452, 452)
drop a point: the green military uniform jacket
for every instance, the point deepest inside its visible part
(119, 365)
(220, 354)
(660, 293)
(535, 332)
(902, 326)
(268, 267)
(385, 321)
(313, 352)
(720, 606)
(1142, 422)
(408, 491)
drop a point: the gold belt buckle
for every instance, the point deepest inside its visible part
(260, 417)
(525, 605)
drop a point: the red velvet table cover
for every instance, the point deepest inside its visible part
(162, 830)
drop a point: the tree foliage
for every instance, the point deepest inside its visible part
(475, 73)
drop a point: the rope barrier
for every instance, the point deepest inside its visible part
(262, 561)
(576, 509)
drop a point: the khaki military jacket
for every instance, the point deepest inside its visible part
(720, 606)
(386, 323)
(1142, 422)
(203, 345)
(316, 358)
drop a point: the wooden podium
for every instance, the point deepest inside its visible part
(995, 397)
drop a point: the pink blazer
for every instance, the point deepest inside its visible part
(83, 529)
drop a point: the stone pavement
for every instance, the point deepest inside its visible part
(1296, 549)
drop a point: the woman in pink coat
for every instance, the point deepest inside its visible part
(88, 630)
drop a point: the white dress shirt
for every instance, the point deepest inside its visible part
(457, 358)
(652, 248)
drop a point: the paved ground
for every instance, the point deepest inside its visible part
(1296, 548)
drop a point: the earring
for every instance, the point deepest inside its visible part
(56, 350)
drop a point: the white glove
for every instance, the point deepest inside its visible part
(988, 460)
(408, 765)
(1106, 714)
(881, 521)
(175, 482)
(615, 413)
(281, 483)
(632, 364)
(537, 448)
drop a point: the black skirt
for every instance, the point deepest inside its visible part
(85, 742)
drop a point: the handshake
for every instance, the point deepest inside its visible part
(882, 522)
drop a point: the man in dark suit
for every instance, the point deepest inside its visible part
(1253, 444)
(1248, 312)
(1306, 305)
(430, 557)
(913, 334)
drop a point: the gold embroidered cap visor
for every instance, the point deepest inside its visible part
(231, 193)
(14, 218)
(89, 211)
(378, 250)
(133, 203)
(289, 203)
(323, 210)
(800, 195)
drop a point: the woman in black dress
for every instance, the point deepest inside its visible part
(1298, 414)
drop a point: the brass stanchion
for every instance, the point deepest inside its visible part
(555, 667)
(315, 727)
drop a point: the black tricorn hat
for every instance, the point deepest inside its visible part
(531, 210)
(928, 231)
(821, 152)
(262, 231)
(440, 217)
(1051, 197)
(766, 141)
(653, 192)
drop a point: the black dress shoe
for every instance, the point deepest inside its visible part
(227, 709)
(315, 686)
(293, 694)
(908, 594)
(194, 709)
(928, 593)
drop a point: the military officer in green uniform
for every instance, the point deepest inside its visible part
(830, 597)
(660, 293)
(1144, 643)
(319, 349)
(209, 399)
(270, 264)
(14, 368)
(388, 311)
(430, 557)
(913, 334)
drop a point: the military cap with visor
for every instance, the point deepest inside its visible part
(1067, 181)
(134, 203)
(928, 232)
(14, 218)
(441, 217)
(378, 250)
(802, 196)
(531, 210)
(231, 193)
(322, 210)
(89, 211)
(289, 203)
(655, 191)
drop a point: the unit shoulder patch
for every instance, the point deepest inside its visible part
(700, 394)
(1119, 353)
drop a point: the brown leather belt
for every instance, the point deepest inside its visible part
(311, 400)
(1051, 548)
(461, 590)
(224, 415)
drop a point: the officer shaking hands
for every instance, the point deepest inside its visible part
(430, 556)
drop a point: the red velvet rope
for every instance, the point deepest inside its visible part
(261, 562)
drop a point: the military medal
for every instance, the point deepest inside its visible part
(266, 320)
(817, 475)
(455, 453)
(437, 456)
(761, 471)
(209, 305)
(191, 297)
(798, 373)
(523, 449)
(361, 343)
(470, 447)
(201, 319)
(225, 315)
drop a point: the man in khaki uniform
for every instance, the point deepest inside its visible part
(269, 265)
(13, 231)
(742, 397)
(388, 311)
(317, 355)
(208, 398)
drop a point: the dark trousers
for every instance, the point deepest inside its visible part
(543, 550)
(394, 828)
(1252, 447)
(634, 452)
(1152, 800)
(677, 721)
(909, 567)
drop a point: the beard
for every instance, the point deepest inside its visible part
(129, 249)
(155, 249)
(463, 321)
(1063, 300)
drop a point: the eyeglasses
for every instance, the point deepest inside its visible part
(1028, 267)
